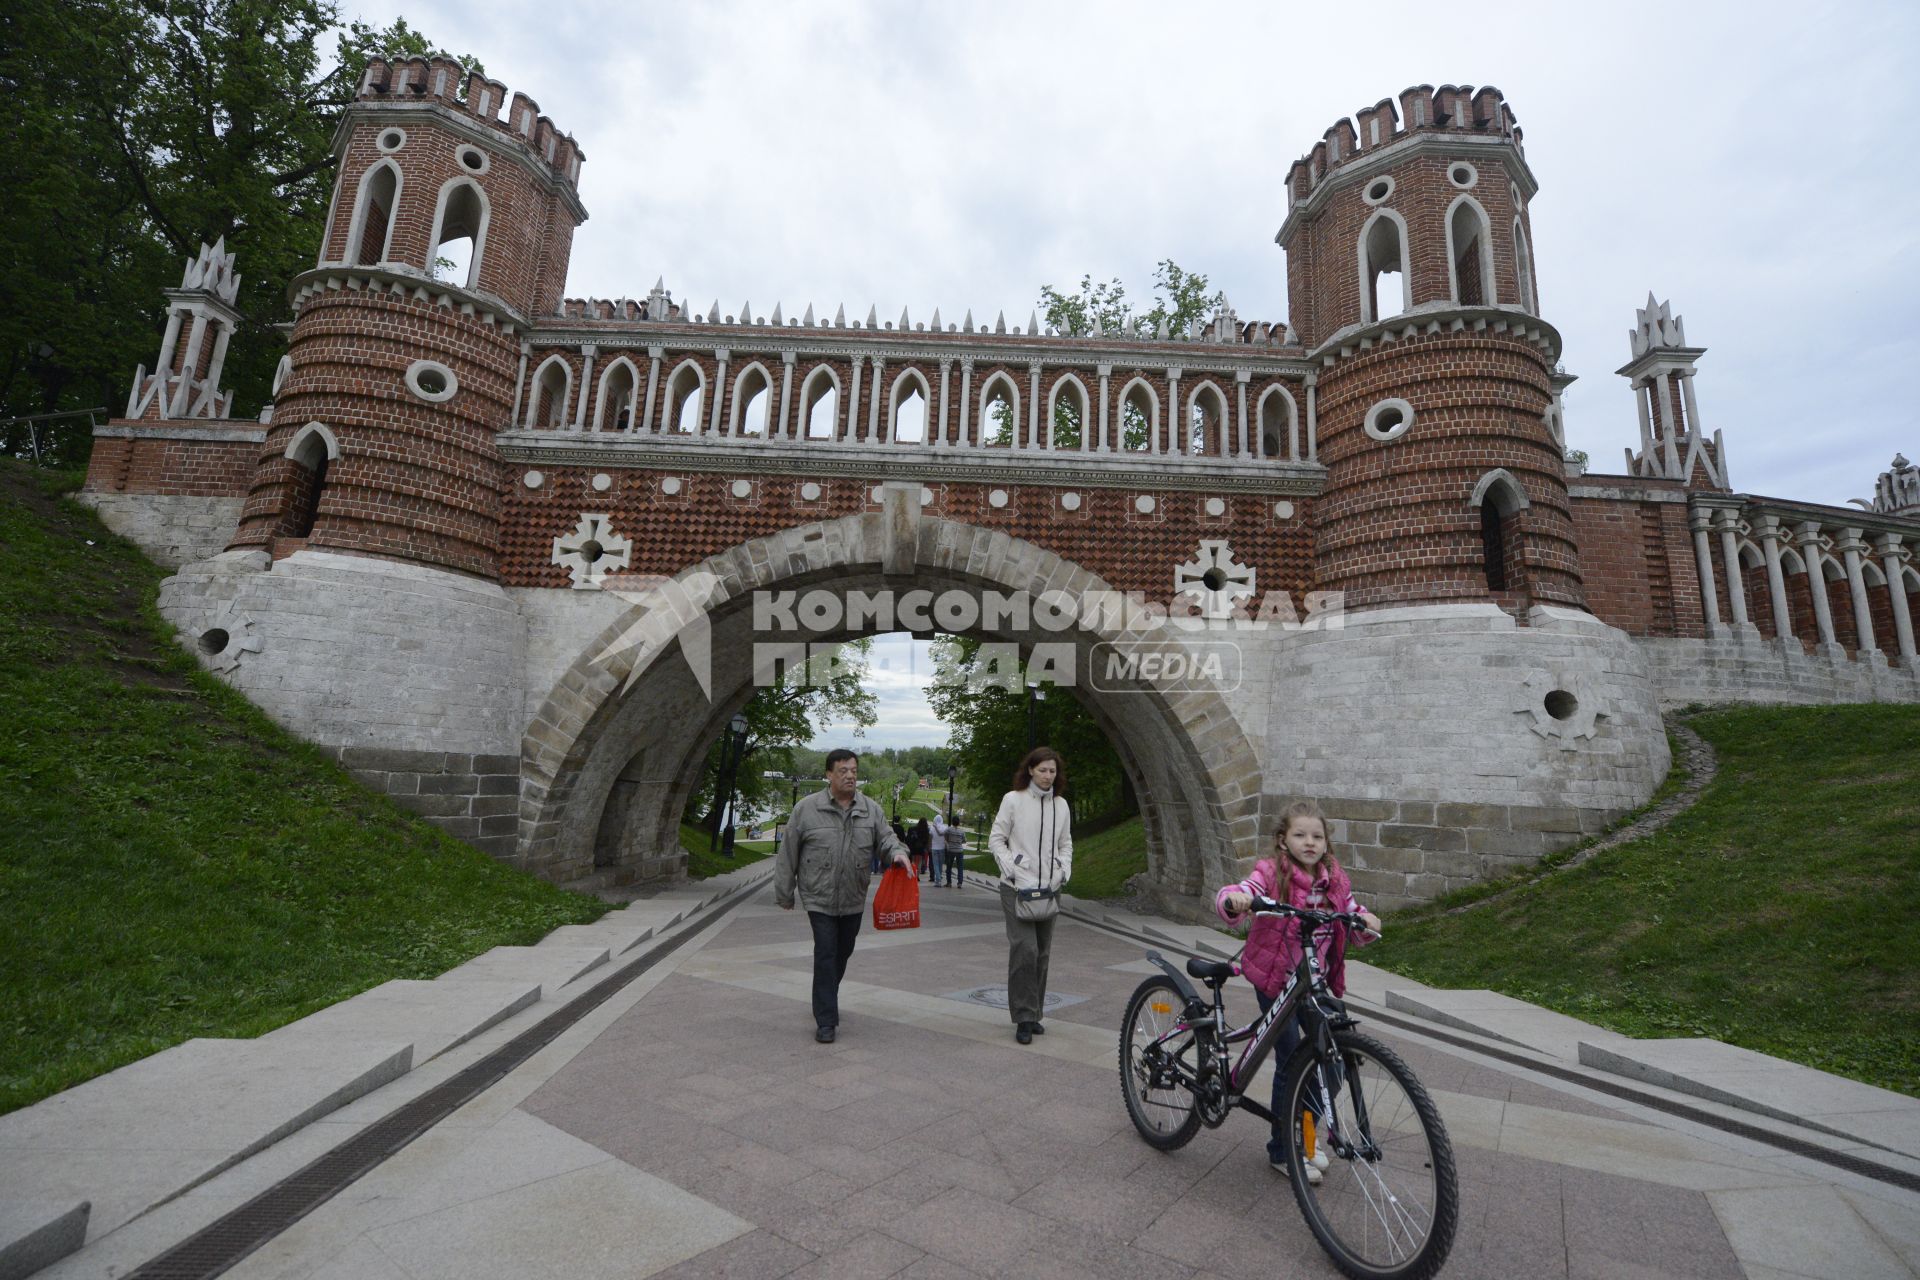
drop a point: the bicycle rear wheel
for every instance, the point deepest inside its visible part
(1387, 1203)
(1163, 1110)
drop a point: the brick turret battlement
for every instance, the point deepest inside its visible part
(444, 81)
(1451, 109)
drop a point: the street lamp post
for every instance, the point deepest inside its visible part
(729, 771)
(1035, 695)
(953, 774)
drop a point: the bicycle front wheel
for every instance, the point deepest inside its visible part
(1163, 1110)
(1387, 1202)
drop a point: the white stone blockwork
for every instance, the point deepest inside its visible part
(172, 531)
(1423, 704)
(359, 652)
(1750, 668)
(561, 624)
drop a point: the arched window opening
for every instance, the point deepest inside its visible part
(306, 479)
(685, 391)
(1493, 543)
(1206, 423)
(548, 407)
(1279, 427)
(1067, 418)
(821, 398)
(373, 225)
(752, 401)
(459, 236)
(617, 387)
(1139, 417)
(1523, 268)
(999, 412)
(1384, 289)
(1469, 245)
(910, 418)
(1501, 500)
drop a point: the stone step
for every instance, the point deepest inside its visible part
(1498, 1017)
(551, 967)
(135, 1138)
(37, 1232)
(1736, 1077)
(434, 1015)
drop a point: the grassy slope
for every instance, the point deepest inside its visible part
(174, 864)
(1779, 913)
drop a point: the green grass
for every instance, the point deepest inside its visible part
(1102, 863)
(175, 865)
(702, 864)
(1779, 913)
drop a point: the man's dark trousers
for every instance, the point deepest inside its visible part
(833, 938)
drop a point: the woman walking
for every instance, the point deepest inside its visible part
(1032, 841)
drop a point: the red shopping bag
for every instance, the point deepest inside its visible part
(897, 904)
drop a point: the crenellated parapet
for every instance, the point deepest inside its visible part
(445, 82)
(1451, 111)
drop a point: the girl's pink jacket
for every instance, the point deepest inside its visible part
(1273, 945)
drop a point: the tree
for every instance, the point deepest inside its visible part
(781, 718)
(988, 725)
(1180, 299)
(141, 130)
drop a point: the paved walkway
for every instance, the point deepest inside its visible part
(690, 1126)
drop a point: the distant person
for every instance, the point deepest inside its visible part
(1032, 840)
(834, 840)
(954, 840)
(920, 845)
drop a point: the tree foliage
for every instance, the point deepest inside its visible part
(139, 131)
(1180, 299)
(988, 723)
(781, 719)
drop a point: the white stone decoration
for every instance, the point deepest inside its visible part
(997, 498)
(1562, 707)
(473, 159)
(1389, 420)
(229, 638)
(1144, 504)
(670, 485)
(1215, 578)
(391, 139)
(743, 488)
(926, 494)
(1283, 511)
(602, 482)
(592, 551)
(879, 493)
(432, 381)
(1379, 191)
(1216, 506)
(1461, 174)
(1070, 501)
(533, 479)
(810, 492)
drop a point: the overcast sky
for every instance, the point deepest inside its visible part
(1752, 163)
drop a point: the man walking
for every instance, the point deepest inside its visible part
(834, 839)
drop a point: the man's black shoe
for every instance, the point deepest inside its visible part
(823, 1034)
(1037, 1028)
(1024, 1033)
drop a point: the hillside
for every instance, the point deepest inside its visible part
(175, 865)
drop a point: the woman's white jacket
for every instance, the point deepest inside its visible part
(1032, 839)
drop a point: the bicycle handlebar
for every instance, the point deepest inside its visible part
(1274, 907)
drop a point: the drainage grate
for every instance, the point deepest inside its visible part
(222, 1243)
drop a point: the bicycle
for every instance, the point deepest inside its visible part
(1387, 1203)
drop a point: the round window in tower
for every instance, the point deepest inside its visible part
(1462, 175)
(473, 160)
(431, 381)
(1389, 419)
(391, 140)
(1379, 191)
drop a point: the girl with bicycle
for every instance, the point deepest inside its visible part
(1303, 873)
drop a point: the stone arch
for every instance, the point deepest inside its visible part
(1505, 492)
(552, 388)
(378, 194)
(821, 382)
(913, 380)
(999, 385)
(686, 386)
(1384, 246)
(625, 392)
(462, 212)
(1151, 399)
(1070, 382)
(624, 730)
(1211, 437)
(1268, 429)
(752, 381)
(1470, 254)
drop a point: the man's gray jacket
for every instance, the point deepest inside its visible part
(829, 853)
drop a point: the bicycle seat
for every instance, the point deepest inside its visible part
(1209, 970)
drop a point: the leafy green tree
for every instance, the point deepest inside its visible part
(1180, 298)
(781, 719)
(141, 130)
(988, 724)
